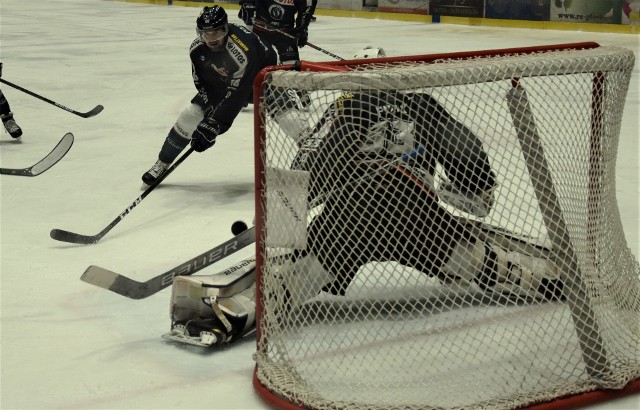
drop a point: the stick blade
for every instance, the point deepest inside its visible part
(93, 112)
(66, 236)
(106, 279)
(56, 154)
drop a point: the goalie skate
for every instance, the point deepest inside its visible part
(213, 310)
(206, 338)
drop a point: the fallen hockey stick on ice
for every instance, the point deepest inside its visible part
(45, 163)
(66, 236)
(133, 289)
(94, 111)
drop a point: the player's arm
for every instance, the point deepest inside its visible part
(194, 54)
(305, 10)
(471, 181)
(453, 144)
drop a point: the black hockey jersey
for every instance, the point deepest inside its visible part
(224, 79)
(287, 15)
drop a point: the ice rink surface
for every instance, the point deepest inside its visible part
(68, 345)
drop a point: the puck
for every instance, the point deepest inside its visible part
(238, 227)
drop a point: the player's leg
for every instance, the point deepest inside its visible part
(7, 118)
(177, 140)
(381, 214)
(288, 53)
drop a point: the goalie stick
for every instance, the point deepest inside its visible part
(66, 236)
(133, 289)
(94, 111)
(52, 158)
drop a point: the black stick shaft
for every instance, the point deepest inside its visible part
(284, 33)
(66, 236)
(97, 109)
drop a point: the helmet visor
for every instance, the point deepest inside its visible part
(213, 37)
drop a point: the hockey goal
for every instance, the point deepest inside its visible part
(372, 319)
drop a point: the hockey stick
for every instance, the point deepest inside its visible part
(52, 158)
(96, 110)
(133, 289)
(268, 27)
(66, 236)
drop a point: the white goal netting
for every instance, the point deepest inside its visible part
(444, 232)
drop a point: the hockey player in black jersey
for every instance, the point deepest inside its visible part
(289, 16)
(225, 59)
(284, 24)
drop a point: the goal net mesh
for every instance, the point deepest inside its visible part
(356, 307)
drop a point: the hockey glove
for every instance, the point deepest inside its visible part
(247, 11)
(204, 137)
(302, 35)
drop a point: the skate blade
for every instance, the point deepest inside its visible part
(206, 339)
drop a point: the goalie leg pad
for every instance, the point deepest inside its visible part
(293, 123)
(216, 309)
(302, 280)
(509, 273)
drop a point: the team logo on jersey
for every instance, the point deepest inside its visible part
(285, 2)
(276, 12)
(222, 71)
(236, 53)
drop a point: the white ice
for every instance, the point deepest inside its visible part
(68, 345)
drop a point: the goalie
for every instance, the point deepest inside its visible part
(371, 161)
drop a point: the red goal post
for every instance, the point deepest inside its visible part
(549, 119)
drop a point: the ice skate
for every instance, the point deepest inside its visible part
(154, 173)
(203, 332)
(11, 126)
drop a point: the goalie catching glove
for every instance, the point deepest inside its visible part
(216, 309)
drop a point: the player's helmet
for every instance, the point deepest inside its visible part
(370, 52)
(213, 26)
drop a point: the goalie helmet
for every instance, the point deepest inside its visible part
(212, 27)
(370, 52)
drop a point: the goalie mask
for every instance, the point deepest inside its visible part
(370, 52)
(212, 27)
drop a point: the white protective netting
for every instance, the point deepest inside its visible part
(356, 306)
